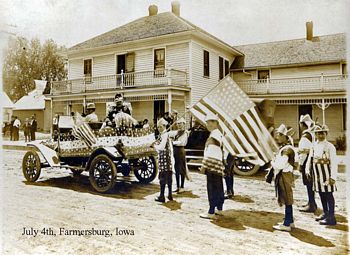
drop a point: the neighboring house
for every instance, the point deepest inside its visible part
(35, 103)
(7, 107)
(300, 75)
(159, 62)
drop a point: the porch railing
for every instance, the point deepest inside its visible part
(321, 83)
(155, 78)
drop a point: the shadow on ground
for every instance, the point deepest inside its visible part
(263, 220)
(187, 194)
(242, 199)
(123, 189)
(172, 205)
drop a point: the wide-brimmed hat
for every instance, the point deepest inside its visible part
(211, 116)
(306, 119)
(162, 122)
(90, 106)
(320, 128)
(282, 129)
(181, 120)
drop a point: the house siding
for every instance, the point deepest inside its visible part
(76, 69)
(177, 57)
(201, 85)
(103, 65)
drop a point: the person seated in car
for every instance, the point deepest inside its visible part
(91, 116)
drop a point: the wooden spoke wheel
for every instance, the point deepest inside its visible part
(245, 168)
(31, 166)
(145, 169)
(102, 173)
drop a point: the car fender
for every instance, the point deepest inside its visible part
(49, 154)
(110, 151)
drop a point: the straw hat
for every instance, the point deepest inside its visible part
(306, 119)
(282, 129)
(162, 122)
(90, 106)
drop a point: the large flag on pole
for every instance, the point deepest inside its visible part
(244, 132)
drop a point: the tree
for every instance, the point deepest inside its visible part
(26, 61)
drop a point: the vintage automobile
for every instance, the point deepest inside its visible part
(242, 165)
(102, 152)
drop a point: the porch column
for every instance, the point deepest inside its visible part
(169, 100)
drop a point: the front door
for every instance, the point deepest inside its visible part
(159, 109)
(120, 68)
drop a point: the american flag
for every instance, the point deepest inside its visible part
(85, 133)
(244, 132)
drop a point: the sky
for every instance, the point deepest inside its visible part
(236, 22)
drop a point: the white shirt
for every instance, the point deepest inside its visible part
(212, 150)
(17, 123)
(327, 150)
(92, 117)
(304, 144)
(280, 162)
(182, 140)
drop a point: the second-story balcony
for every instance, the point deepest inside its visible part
(146, 79)
(309, 84)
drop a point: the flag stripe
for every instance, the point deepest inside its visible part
(236, 143)
(252, 139)
(273, 146)
(231, 144)
(226, 118)
(261, 139)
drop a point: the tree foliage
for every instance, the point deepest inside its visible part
(26, 61)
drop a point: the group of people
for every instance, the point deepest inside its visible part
(316, 159)
(29, 127)
(170, 146)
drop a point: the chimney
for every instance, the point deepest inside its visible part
(152, 10)
(175, 8)
(309, 31)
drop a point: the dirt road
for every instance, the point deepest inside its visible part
(61, 204)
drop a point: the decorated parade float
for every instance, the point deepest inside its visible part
(101, 150)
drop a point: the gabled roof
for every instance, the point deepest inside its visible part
(6, 101)
(146, 27)
(32, 101)
(327, 48)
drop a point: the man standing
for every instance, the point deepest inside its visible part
(180, 137)
(305, 145)
(12, 133)
(283, 165)
(324, 173)
(213, 167)
(91, 116)
(33, 127)
(16, 126)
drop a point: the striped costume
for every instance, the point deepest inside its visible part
(324, 166)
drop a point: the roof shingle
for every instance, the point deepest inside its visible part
(325, 48)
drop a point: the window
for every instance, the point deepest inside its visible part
(343, 69)
(224, 68)
(159, 62)
(263, 75)
(344, 116)
(221, 68)
(206, 63)
(227, 67)
(88, 70)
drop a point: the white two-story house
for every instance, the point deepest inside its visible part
(303, 76)
(159, 63)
